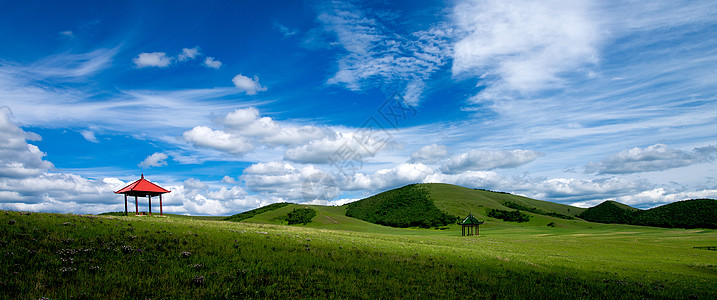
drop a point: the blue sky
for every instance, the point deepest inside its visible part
(234, 105)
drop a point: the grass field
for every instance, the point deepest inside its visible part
(74, 256)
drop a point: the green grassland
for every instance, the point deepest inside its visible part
(62, 256)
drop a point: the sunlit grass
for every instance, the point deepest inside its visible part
(63, 256)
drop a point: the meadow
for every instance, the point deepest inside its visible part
(63, 256)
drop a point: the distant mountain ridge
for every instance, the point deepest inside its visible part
(697, 213)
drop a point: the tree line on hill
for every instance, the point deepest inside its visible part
(699, 213)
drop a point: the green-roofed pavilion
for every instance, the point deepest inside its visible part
(470, 226)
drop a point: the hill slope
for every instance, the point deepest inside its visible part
(610, 212)
(700, 213)
(408, 206)
(429, 204)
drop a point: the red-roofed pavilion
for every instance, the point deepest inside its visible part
(142, 188)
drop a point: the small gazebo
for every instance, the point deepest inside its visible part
(471, 224)
(142, 188)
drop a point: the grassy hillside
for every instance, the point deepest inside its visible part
(415, 202)
(408, 206)
(458, 200)
(250, 213)
(700, 213)
(82, 256)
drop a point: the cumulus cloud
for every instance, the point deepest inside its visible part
(656, 157)
(523, 46)
(282, 180)
(155, 160)
(572, 189)
(228, 179)
(202, 136)
(473, 179)
(488, 160)
(319, 151)
(18, 159)
(153, 59)
(211, 62)
(399, 175)
(250, 86)
(245, 128)
(432, 153)
(188, 54)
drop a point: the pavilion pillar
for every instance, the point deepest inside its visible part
(160, 205)
(125, 204)
(150, 204)
(136, 205)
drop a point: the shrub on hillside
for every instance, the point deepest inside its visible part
(301, 216)
(510, 216)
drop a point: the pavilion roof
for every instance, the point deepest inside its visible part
(142, 187)
(470, 220)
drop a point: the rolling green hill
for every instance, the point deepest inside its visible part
(440, 205)
(408, 206)
(434, 202)
(610, 212)
(699, 213)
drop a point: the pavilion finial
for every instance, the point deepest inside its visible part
(142, 175)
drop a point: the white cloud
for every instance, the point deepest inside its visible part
(487, 160)
(18, 159)
(192, 183)
(656, 157)
(473, 179)
(375, 52)
(432, 153)
(571, 189)
(284, 181)
(155, 160)
(397, 176)
(67, 34)
(211, 62)
(89, 136)
(154, 59)
(228, 179)
(523, 46)
(285, 30)
(203, 136)
(250, 86)
(659, 196)
(270, 168)
(188, 54)
(320, 151)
